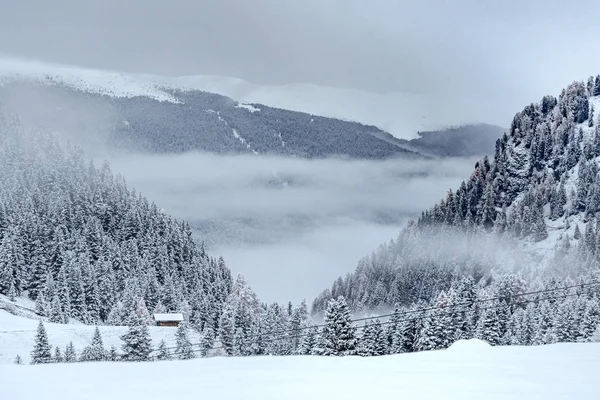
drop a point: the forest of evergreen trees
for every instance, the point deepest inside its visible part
(81, 244)
(506, 312)
(544, 171)
(78, 241)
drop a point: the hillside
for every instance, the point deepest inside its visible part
(17, 336)
(158, 115)
(76, 240)
(467, 371)
(402, 114)
(129, 113)
(460, 141)
(531, 210)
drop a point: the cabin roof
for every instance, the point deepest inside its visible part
(165, 317)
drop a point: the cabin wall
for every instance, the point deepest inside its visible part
(168, 323)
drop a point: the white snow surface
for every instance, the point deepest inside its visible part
(401, 114)
(109, 83)
(17, 335)
(551, 372)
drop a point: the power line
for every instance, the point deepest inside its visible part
(415, 311)
(415, 318)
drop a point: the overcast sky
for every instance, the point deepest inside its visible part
(514, 50)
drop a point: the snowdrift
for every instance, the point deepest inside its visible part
(559, 371)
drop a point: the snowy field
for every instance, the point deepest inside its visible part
(17, 336)
(468, 370)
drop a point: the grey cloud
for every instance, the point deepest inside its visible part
(512, 51)
(302, 236)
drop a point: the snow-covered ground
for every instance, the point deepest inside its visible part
(468, 370)
(17, 336)
(401, 114)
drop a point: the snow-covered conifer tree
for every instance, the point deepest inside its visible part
(163, 351)
(70, 354)
(184, 350)
(137, 344)
(42, 351)
(339, 336)
(58, 356)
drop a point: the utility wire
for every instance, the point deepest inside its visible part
(283, 332)
(415, 318)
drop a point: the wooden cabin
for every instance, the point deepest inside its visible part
(170, 319)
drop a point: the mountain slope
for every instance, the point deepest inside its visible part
(145, 113)
(533, 209)
(78, 241)
(197, 121)
(129, 112)
(459, 141)
(401, 114)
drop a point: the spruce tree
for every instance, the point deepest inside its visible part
(163, 351)
(42, 351)
(339, 337)
(55, 314)
(137, 344)
(70, 354)
(95, 351)
(113, 354)
(184, 350)
(18, 360)
(207, 341)
(308, 341)
(58, 357)
(488, 326)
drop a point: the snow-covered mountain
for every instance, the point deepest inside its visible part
(401, 114)
(533, 209)
(158, 114)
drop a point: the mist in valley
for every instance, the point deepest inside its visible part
(294, 222)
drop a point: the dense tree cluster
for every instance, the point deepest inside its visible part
(544, 174)
(501, 313)
(78, 241)
(200, 121)
(507, 311)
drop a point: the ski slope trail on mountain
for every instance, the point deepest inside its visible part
(558, 371)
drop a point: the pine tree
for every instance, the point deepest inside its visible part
(184, 349)
(137, 344)
(163, 351)
(227, 330)
(488, 326)
(95, 351)
(577, 233)
(207, 341)
(42, 351)
(70, 354)
(308, 341)
(18, 360)
(113, 354)
(366, 341)
(55, 313)
(596, 91)
(12, 292)
(58, 357)
(338, 336)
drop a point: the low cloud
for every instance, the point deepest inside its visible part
(291, 225)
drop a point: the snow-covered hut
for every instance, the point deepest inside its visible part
(168, 319)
